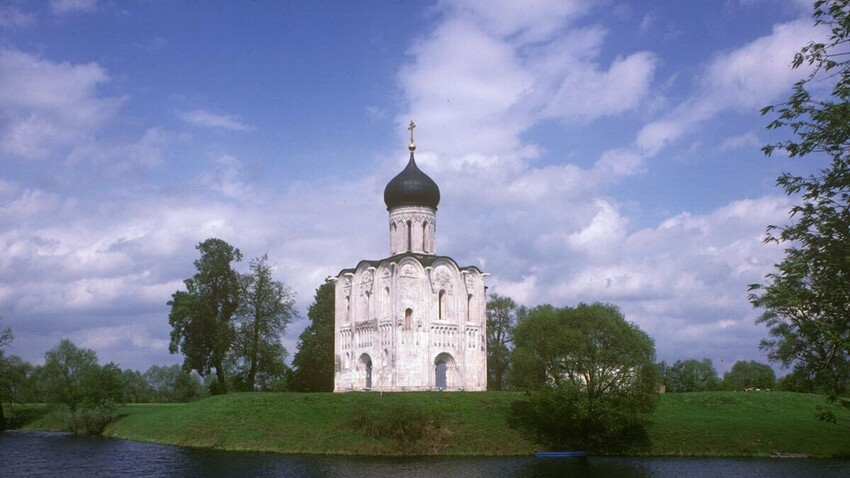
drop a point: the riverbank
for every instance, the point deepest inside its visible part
(714, 424)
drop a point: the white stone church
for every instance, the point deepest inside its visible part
(415, 320)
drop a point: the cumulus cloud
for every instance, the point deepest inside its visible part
(754, 75)
(46, 105)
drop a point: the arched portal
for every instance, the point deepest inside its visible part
(445, 371)
(365, 369)
(440, 374)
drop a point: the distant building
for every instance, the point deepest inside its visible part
(415, 320)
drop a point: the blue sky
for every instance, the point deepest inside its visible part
(586, 151)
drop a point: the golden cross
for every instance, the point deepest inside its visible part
(412, 125)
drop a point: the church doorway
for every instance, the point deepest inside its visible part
(441, 374)
(444, 371)
(366, 369)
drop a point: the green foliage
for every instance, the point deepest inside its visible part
(593, 374)
(569, 418)
(502, 313)
(67, 370)
(744, 375)
(684, 424)
(265, 310)
(201, 316)
(172, 384)
(91, 421)
(14, 374)
(135, 389)
(313, 363)
(805, 300)
(691, 376)
(404, 424)
(102, 386)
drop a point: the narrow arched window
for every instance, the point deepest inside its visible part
(424, 236)
(409, 236)
(469, 308)
(347, 309)
(408, 319)
(385, 312)
(442, 315)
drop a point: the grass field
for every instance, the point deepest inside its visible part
(687, 424)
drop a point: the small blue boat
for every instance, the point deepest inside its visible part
(561, 454)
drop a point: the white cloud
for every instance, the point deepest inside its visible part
(214, 120)
(588, 93)
(61, 7)
(48, 105)
(745, 140)
(13, 17)
(754, 75)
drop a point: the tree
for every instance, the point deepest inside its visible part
(265, 310)
(501, 319)
(592, 372)
(135, 388)
(313, 363)
(13, 377)
(102, 386)
(752, 374)
(64, 373)
(201, 317)
(6, 336)
(691, 376)
(805, 299)
(171, 384)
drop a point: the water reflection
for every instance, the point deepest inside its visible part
(57, 454)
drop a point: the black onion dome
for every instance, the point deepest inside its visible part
(411, 187)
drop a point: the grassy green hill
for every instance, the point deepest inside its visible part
(688, 424)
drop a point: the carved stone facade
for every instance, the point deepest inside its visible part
(415, 320)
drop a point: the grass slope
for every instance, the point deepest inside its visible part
(747, 424)
(465, 423)
(687, 424)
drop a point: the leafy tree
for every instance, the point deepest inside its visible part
(691, 376)
(135, 388)
(313, 363)
(201, 317)
(265, 310)
(752, 374)
(502, 315)
(102, 386)
(13, 379)
(171, 384)
(805, 299)
(593, 373)
(64, 372)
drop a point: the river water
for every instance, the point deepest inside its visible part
(45, 454)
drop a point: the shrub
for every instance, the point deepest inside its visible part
(403, 424)
(91, 421)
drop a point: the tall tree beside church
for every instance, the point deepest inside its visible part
(501, 320)
(805, 299)
(265, 310)
(201, 316)
(313, 363)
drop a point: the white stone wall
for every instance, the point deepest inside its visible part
(402, 318)
(413, 229)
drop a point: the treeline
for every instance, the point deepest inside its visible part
(73, 377)
(228, 327)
